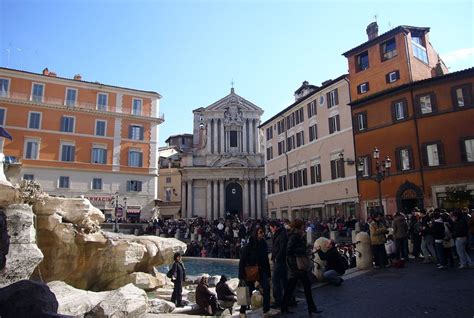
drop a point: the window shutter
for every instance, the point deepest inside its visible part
(462, 147)
(440, 153)
(394, 114)
(358, 89)
(387, 78)
(73, 153)
(308, 107)
(63, 124)
(405, 109)
(398, 159)
(130, 128)
(467, 93)
(333, 169)
(318, 173)
(139, 186)
(328, 100)
(434, 105)
(312, 174)
(454, 98)
(337, 96)
(331, 129)
(141, 133)
(410, 156)
(424, 155)
(368, 86)
(398, 74)
(338, 123)
(341, 168)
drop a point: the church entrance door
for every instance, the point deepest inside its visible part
(233, 199)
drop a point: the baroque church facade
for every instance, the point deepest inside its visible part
(224, 173)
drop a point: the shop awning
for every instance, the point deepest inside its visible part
(133, 211)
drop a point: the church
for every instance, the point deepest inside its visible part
(224, 174)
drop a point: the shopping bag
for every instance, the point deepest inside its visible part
(243, 297)
(303, 263)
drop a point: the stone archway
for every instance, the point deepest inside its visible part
(409, 195)
(233, 199)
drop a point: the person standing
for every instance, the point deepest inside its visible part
(460, 233)
(400, 234)
(178, 277)
(377, 239)
(255, 253)
(427, 238)
(280, 271)
(439, 235)
(297, 248)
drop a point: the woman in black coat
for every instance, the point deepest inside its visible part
(256, 253)
(297, 247)
(179, 275)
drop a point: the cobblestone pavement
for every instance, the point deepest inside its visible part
(418, 290)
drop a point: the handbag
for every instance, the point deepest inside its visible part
(252, 273)
(303, 263)
(243, 296)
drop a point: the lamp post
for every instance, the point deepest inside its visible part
(115, 203)
(382, 171)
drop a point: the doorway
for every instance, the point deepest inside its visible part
(233, 199)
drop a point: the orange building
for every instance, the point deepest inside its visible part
(82, 138)
(419, 118)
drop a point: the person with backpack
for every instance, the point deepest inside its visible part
(336, 264)
(177, 273)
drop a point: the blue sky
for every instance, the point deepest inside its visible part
(190, 51)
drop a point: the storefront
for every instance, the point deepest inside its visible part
(133, 213)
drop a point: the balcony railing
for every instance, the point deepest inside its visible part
(72, 104)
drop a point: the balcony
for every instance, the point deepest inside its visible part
(21, 97)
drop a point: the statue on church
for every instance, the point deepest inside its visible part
(233, 115)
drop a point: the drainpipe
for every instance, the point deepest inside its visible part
(287, 165)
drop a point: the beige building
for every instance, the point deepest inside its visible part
(309, 163)
(224, 174)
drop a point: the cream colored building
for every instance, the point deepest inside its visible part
(224, 174)
(309, 165)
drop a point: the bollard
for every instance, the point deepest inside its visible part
(353, 235)
(334, 236)
(364, 251)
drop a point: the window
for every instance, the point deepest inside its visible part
(281, 147)
(134, 186)
(233, 139)
(311, 109)
(168, 192)
(334, 124)
(362, 61)
(67, 152)
(269, 132)
(290, 143)
(363, 88)
(418, 47)
(299, 116)
(313, 132)
(137, 106)
(388, 49)
(37, 92)
(433, 154)
(399, 110)
(315, 173)
(426, 103)
(282, 185)
(467, 149)
(71, 95)
(337, 169)
(392, 77)
(135, 158)
(298, 178)
(2, 116)
(4, 87)
(361, 121)
(168, 179)
(99, 154)
(462, 96)
(300, 139)
(404, 158)
(100, 127)
(270, 186)
(332, 98)
(34, 120)
(269, 153)
(67, 124)
(31, 149)
(29, 177)
(102, 101)
(281, 126)
(135, 132)
(96, 184)
(63, 182)
(363, 168)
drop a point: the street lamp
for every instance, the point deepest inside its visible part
(115, 202)
(382, 171)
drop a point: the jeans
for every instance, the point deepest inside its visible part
(427, 246)
(440, 254)
(402, 247)
(380, 255)
(464, 258)
(279, 281)
(416, 245)
(332, 277)
(304, 279)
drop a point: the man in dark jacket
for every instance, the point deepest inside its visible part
(336, 265)
(225, 295)
(400, 234)
(179, 275)
(280, 271)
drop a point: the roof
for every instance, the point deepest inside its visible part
(81, 81)
(385, 36)
(305, 85)
(462, 73)
(326, 84)
(178, 135)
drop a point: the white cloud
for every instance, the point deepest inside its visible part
(461, 56)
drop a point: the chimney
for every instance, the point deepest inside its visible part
(45, 71)
(372, 30)
(78, 77)
(52, 74)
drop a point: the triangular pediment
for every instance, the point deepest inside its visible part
(233, 100)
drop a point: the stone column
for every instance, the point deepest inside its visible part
(209, 136)
(189, 204)
(257, 134)
(252, 198)
(259, 199)
(244, 133)
(209, 215)
(184, 211)
(251, 136)
(245, 199)
(215, 202)
(223, 137)
(215, 150)
(221, 198)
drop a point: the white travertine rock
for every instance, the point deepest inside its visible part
(128, 301)
(8, 193)
(160, 306)
(141, 280)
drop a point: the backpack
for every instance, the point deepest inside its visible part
(170, 273)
